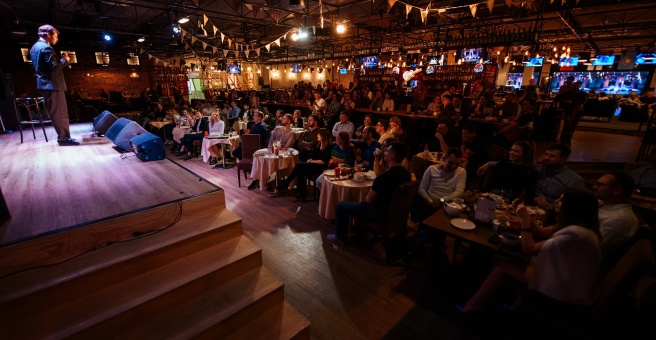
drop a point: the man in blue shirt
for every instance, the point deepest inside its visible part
(366, 146)
(233, 115)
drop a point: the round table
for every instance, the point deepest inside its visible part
(179, 132)
(160, 125)
(266, 165)
(208, 141)
(344, 189)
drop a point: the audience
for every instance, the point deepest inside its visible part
(366, 147)
(474, 152)
(368, 121)
(382, 128)
(308, 140)
(343, 125)
(516, 175)
(283, 133)
(554, 177)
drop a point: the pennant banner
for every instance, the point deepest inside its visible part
(424, 14)
(257, 50)
(268, 47)
(490, 5)
(390, 4)
(473, 8)
(215, 30)
(222, 37)
(408, 8)
(205, 19)
(225, 53)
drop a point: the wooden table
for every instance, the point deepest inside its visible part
(334, 191)
(179, 132)
(266, 165)
(208, 141)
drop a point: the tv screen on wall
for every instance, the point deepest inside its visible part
(535, 61)
(604, 60)
(369, 61)
(296, 68)
(234, 69)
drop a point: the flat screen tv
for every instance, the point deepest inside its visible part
(434, 61)
(234, 69)
(645, 58)
(369, 61)
(535, 62)
(343, 71)
(296, 68)
(471, 54)
(412, 83)
(604, 60)
(571, 61)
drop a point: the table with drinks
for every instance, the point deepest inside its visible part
(214, 139)
(278, 161)
(487, 220)
(343, 184)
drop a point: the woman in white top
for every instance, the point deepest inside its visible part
(216, 125)
(564, 274)
(388, 103)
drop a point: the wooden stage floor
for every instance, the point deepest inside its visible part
(49, 187)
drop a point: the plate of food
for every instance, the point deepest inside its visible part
(463, 224)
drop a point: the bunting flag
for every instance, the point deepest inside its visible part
(150, 56)
(142, 51)
(249, 6)
(215, 30)
(285, 36)
(214, 49)
(490, 5)
(222, 37)
(193, 39)
(314, 30)
(424, 14)
(473, 8)
(225, 53)
(205, 19)
(229, 42)
(390, 4)
(408, 8)
(204, 46)
(268, 47)
(257, 50)
(278, 42)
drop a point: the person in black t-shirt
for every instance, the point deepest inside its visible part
(378, 199)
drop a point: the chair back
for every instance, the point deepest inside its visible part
(249, 144)
(397, 214)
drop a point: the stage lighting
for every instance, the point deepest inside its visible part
(183, 20)
(142, 39)
(341, 28)
(107, 37)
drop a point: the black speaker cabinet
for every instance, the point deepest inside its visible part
(103, 122)
(148, 147)
(128, 129)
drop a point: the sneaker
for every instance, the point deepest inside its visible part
(67, 142)
(254, 184)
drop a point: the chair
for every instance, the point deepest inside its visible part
(394, 227)
(30, 111)
(249, 144)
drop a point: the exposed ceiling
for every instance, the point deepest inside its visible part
(601, 26)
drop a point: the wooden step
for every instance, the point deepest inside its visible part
(222, 307)
(67, 244)
(280, 322)
(201, 230)
(65, 318)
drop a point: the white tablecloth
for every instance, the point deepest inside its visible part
(232, 141)
(266, 165)
(178, 133)
(333, 192)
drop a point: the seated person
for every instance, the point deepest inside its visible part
(516, 175)
(383, 129)
(483, 108)
(446, 137)
(554, 177)
(440, 183)
(297, 121)
(434, 106)
(343, 125)
(509, 108)
(632, 99)
(566, 271)
(368, 121)
(645, 177)
(395, 127)
(343, 151)
(216, 127)
(366, 147)
(380, 165)
(375, 207)
(388, 103)
(308, 140)
(283, 133)
(198, 129)
(313, 166)
(618, 223)
(519, 128)
(260, 128)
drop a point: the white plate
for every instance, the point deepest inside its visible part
(463, 224)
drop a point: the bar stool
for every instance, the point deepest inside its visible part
(32, 107)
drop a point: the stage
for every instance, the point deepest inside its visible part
(49, 188)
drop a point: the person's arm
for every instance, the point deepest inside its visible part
(423, 188)
(443, 145)
(461, 181)
(371, 196)
(529, 246)
(291, 140)
(335, 131)
(350, 128)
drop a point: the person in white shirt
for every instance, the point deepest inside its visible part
(319, 104)
(343, 125)
(388, 103)
(440, 183)
(618, 223)
(283, 133)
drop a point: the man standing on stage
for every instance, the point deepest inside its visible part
(49, 68)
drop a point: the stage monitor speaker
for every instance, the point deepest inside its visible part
(148, 147)
(103, 122)
(129, 130)
(115, 128)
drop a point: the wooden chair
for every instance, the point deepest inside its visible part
(249, 144)
(394, 228)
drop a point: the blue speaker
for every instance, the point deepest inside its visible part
(148, 147)
(103, 122)
(122, 131)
